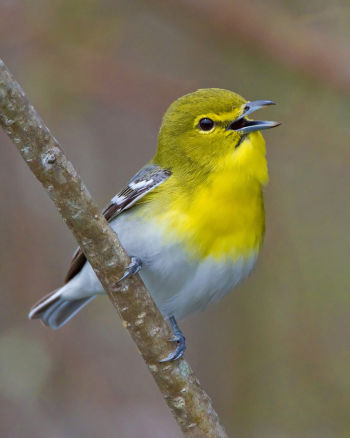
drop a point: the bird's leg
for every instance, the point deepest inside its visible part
(133, 268)
(179, 338)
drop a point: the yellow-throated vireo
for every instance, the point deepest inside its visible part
(192, 220)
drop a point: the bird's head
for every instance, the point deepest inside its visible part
(210, 128)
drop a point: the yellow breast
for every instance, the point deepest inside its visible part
(223, 219)
(221, 216)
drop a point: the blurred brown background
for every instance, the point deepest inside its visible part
(275, 354)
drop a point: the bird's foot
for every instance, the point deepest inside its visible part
(179, 338)
(133, 268)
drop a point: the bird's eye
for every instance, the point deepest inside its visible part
(206, 124)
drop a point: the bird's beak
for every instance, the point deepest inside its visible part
(245, 126)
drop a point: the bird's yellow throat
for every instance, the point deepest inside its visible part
(223, 216)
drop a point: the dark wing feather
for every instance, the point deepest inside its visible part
(147, 179)
(76, 265)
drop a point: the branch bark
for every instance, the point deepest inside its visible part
(187, 401)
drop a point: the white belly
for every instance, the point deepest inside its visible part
(178, 284)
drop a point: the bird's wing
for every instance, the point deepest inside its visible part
(147, 179)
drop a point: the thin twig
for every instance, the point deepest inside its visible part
(186, 399)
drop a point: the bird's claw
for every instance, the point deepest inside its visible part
(133, 268)
(179, 350)
(180, 339)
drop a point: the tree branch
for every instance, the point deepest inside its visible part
(186, 399)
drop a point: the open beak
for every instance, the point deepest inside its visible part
(245, 126)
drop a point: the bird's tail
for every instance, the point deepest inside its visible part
(55, 311)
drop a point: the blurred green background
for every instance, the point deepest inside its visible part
(275, 354)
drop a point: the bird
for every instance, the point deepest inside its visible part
(192, 220)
